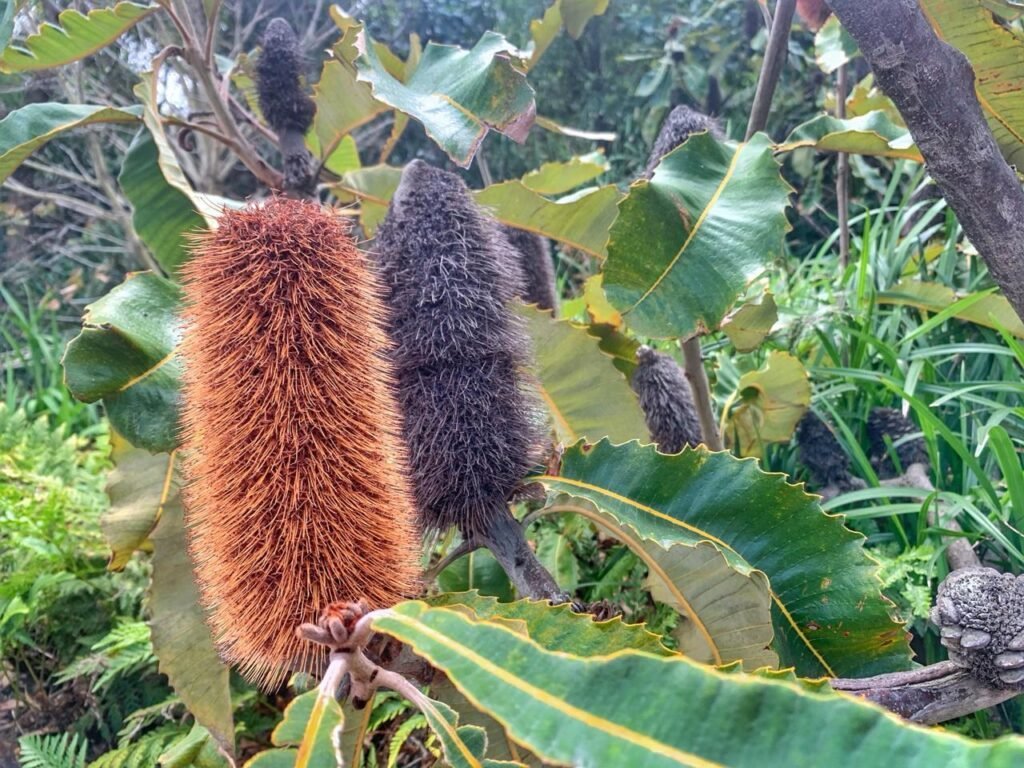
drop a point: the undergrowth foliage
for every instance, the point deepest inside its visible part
(297, 494)
(337, 405)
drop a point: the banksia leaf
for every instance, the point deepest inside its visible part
(889, 421)
(666, 400)
(681, 123)
(297, 494)
(538, 285)
(471, 427)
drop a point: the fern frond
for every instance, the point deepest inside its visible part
(52, 751)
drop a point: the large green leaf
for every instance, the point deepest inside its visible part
(829, 615)
(458, 95)
(997, 58)
(586, 396)
(768, 403)
(871, 134)
(557, 178)
(76, 37)
(25, 130)
(634, 709)
(580, 220)
(984, 308)
(748, 325)
(726, 611)
(208, 207)
(181, 639)
(553, 627)
(478, 571)
(342, 103)
(162, 214)
(139, 486)
(125, 355)
(688, 241)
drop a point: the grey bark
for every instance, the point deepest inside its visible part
(932, 85)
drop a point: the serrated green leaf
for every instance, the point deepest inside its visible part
(139, 486)
(768, 403)
(181, 640)
(673, 712)
(688, 242)
(162, 214)
(125, 355)
(748, 325)
(580, 220)
(557, 178)
(558, 627)
(457, 95)
(74, 37)
(726, 610)
(871, 134)
(342, 102)
(829, 614)
(25, 130)
(584, 393)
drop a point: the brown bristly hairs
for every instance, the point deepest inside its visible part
(297, 492)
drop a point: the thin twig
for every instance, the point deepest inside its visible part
(774, 58)
(63, 201)
(211, 30)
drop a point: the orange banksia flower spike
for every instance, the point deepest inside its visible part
(297, 492)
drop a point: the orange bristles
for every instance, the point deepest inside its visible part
(297, 492)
